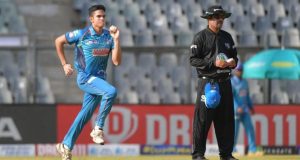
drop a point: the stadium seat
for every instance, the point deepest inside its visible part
(132, 10)
(254, 86)
(182, 88)
(84, 14)
(17, 24)
(179, 74)
(143, 4)
(146, 60)
(293, 87)
(270, 38)
(143, 87)
(126, 38)
(288, 4)
(164, 4)
(130, 97)
(128, 60)
(5, 96)
(3, 81)
(237, 10)
(184, 59)
(144, 38)
(198, 24)
(77, 5)
(180, 23)
(262, 24)
(197, 11)
(184, 38)
(122, 83)
(255, 10)
(248, 39)
(6, 58)
(158, 23)
(152, 10)
(247, 2)
(228, 2)
(152, 98)
(164, 87)
(158, 74)
(294, 13)
(296, 99)
(137, 24)
(122, 4)
(205, 4)
(133, 77)
(242, 23)
(268, 3)
(112, 11)
(173, 11)
(21, 89)
(172, 98)
(276, 11)
(165, 38)
(257, 98)
(119, 21)
(45, 98)
(11, 72)
(291, 38)
(233, 35)
(284, 23)
(168, 61)
(227, 25)
(279, 98)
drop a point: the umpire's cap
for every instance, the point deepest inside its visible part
(215, 10)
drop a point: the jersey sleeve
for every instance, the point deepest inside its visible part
(234, 52)
(197, 59)
(73, 36)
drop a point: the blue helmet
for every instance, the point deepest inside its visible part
(212, 95)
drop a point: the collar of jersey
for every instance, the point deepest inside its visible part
(212, 31)
(93, 32)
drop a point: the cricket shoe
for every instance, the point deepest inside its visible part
(228, 158)
(64, 152)
(98, 136)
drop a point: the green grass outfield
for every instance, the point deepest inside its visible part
(293, 157)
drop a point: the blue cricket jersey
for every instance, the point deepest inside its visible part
(241, 94)
(91, 51)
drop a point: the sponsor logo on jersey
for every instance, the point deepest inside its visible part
(90, 42)
(101, 52)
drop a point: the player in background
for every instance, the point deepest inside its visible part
(243, 108)
(93, 45)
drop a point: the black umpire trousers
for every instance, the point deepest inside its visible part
(222, 117)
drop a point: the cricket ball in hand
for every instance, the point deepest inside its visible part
(222, 57)
(112, 29)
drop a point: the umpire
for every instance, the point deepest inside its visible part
(213, 54)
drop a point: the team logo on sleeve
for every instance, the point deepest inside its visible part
(193, 46)
(71, 35)
(227, 45)
(101, 52)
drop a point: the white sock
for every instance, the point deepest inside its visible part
(66, 147)
(98, 128)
